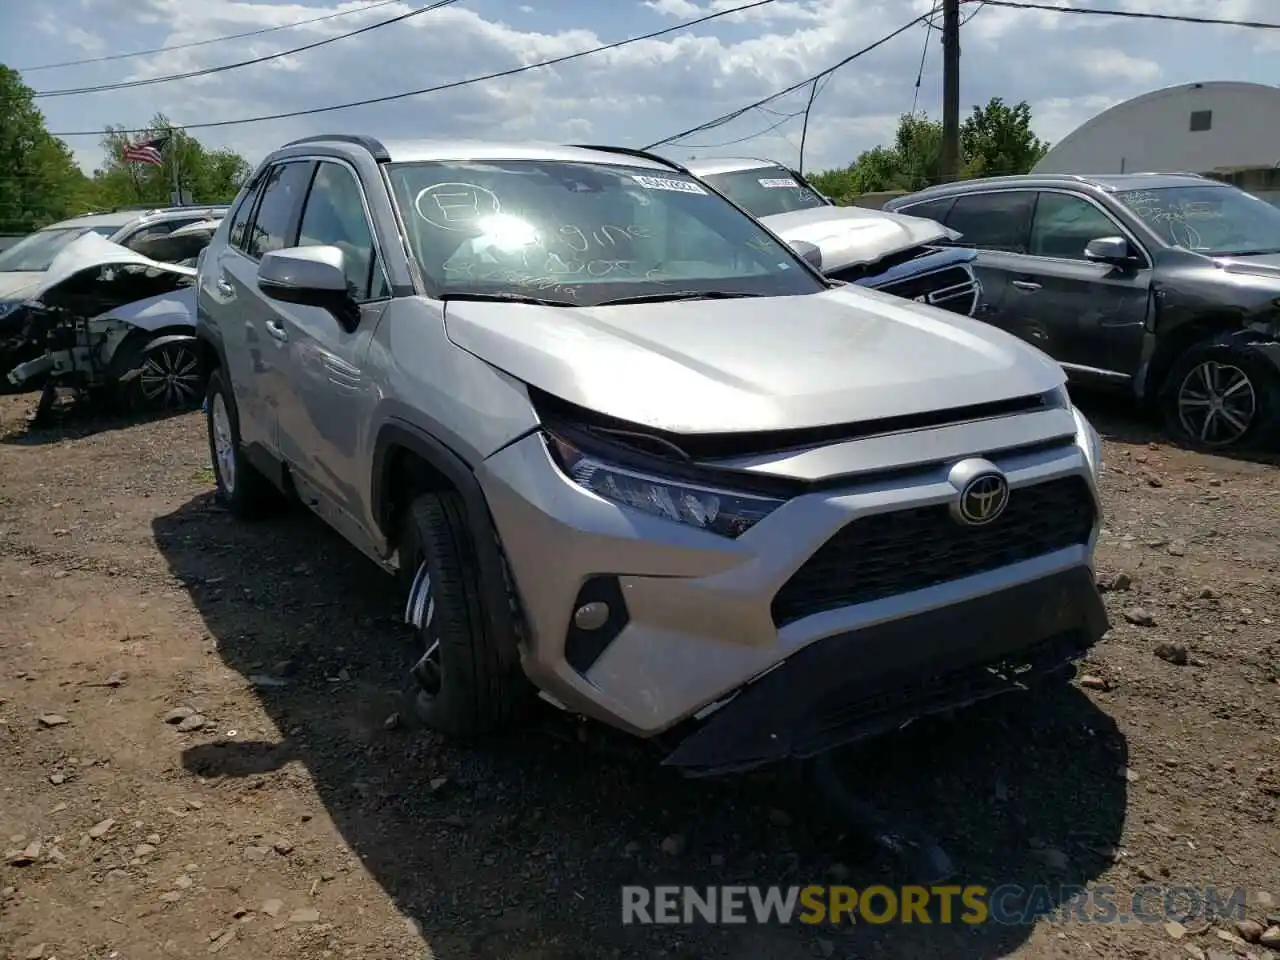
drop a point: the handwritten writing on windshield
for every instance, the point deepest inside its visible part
(607, 236)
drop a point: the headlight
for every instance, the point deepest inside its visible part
(1089, 442)
(9, 307)
(719, 511)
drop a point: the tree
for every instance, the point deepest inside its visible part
(39, 179)
(997, 140)
(210, 176)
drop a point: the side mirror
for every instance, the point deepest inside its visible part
(809, 253)
(1114, 250)
(308, 276)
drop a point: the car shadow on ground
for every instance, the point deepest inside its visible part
(75, 419)
(523, 851)
(1119, 419)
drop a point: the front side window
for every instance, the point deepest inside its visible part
(1064, 225)
(334, 216)
(997, 221)
(273, 224)
(584, 233)
(1213, 220)
(765, 191)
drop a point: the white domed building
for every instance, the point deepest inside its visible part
(1223, 129)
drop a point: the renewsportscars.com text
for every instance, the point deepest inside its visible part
(1008, 904)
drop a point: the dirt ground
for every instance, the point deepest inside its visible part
(204, 747)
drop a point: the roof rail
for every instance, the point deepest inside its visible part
(372, 144)
(632, 152)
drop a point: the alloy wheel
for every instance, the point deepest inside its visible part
(224, 449)
(170, 378)
(420, 613)
(1216, 403)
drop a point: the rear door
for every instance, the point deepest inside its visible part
(251, 318)
(997, 224)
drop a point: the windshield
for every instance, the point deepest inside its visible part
(35, 252)
(1217, 221)
(584, 233)
(764, 191)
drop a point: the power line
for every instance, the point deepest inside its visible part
(204, 43)
(1132, 14)
(126, 84)
(924, 52)
(759, 133)
(726, 118)
(208, 124)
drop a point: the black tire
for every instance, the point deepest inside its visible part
(246, 492)
(1254, 398)
(474, 684)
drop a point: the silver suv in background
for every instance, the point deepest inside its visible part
(899, 254)
(23, 264)
(623, 446)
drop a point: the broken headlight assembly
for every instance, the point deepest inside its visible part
(725, 512)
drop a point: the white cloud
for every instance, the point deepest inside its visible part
(1067, 66)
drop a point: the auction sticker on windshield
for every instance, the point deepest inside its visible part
(775, 183)
(665, 183)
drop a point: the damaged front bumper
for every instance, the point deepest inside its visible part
(857, 685)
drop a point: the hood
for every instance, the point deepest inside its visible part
(92, 250)
(18, 285)
(1260, 265)
(174, 309)
(854, 235)
(839, 356)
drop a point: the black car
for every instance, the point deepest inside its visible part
(1163, 285)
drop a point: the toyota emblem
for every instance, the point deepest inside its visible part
(982, 499)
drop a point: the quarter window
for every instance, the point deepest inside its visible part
(334, 216)
(274, 226)
(1064, 225)
(993, 221)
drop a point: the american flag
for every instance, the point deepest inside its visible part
(146, 152)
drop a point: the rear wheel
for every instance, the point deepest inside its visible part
(239, 486)
(1222, 396)
(467, 683)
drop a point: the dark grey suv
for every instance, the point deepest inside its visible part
(1164, 285)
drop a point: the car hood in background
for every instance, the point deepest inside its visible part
(18, 285)
(92, 250)
(772, 363)
(849, 236)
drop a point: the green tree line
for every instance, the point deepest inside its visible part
(41, 183)
(995, 140)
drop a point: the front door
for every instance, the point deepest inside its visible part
(330, 396)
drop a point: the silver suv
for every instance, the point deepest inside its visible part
(623, 446)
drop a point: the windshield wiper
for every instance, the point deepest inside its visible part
(498, 297)
(679, 295)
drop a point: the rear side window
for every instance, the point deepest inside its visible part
(240, 221)
(930, 209)
(994, 221)
(275, 225)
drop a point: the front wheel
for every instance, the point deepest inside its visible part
(1222, 396)
(468, 682)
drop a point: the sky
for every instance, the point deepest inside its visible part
(1068, 67)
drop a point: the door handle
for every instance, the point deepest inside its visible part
(1026, 285)
(275, 329)
(226, 289)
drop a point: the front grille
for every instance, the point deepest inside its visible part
(952, 288)
(888, 554)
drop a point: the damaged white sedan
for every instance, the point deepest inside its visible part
(110, 324)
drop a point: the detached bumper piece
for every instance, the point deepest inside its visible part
(858, 685)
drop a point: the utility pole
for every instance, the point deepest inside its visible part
(950, 89)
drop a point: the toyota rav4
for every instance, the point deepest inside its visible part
(626, 448)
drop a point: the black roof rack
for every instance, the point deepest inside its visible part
(632, 152)
(372, 144)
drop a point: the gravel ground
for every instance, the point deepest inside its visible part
(204, 747)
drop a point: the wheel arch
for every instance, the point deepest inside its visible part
(407, 462)
(1223, 327)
